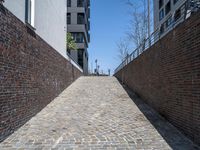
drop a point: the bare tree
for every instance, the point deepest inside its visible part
(123, 48)
(139, 24)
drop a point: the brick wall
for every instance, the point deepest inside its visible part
(32, 73)
(167, 77)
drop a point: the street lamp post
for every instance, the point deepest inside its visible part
(96, 66)
(149, 26)
(109, 72)
(98, 69)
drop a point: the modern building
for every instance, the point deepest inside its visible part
(166, 12)
(46, 17)
(78, 24)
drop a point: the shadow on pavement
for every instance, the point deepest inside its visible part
(175, 139)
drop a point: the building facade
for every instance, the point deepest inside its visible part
(46, 17)
(78, 24)
(166, 12)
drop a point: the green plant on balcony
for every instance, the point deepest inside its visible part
(71, 44)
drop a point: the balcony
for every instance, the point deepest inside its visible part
(78, 28)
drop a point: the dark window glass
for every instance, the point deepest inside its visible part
(169, 22)
(69, 3)
(161, 14)
(80, 18)
(28, 11)
(161, 2)
(68, 18)
(167, 8)
(80, 57)
(162, 29)
(68, 51)
(78, 37)
(177, 15)
(175, 1)
(80, 3)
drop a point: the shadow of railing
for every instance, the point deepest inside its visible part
(174, 138)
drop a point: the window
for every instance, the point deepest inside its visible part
(30, 12)
(80, 57)
(68, 18)
(168, 8)
(169, 22)
(80, 3)
(161, 14)
(80, 18)
(177, 15)
(69, 51)
(175, 1)
(69, 2)
(162, 29)
(78, 37)
(161, 2)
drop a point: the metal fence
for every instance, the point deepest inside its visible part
(185, 11)
(74, 61)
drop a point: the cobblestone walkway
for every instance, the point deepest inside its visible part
(97, 113)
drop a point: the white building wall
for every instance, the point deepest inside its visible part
(48, 18)
(50, 23)
(17, 7)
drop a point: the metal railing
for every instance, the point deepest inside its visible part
(189, 7)
(74, 61)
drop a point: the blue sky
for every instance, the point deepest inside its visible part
(109, 22)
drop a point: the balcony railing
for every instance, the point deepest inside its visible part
(74, 61)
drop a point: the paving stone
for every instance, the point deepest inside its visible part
(97, 113)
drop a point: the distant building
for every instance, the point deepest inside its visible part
(166, 12)
(46, 17)
(78, 24)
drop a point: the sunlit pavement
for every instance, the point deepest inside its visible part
(97, 113)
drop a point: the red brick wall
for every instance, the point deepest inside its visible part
(32, 74)
(167, 77)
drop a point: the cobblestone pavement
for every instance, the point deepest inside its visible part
(97, 113)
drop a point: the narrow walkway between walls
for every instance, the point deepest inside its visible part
(97, 113)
